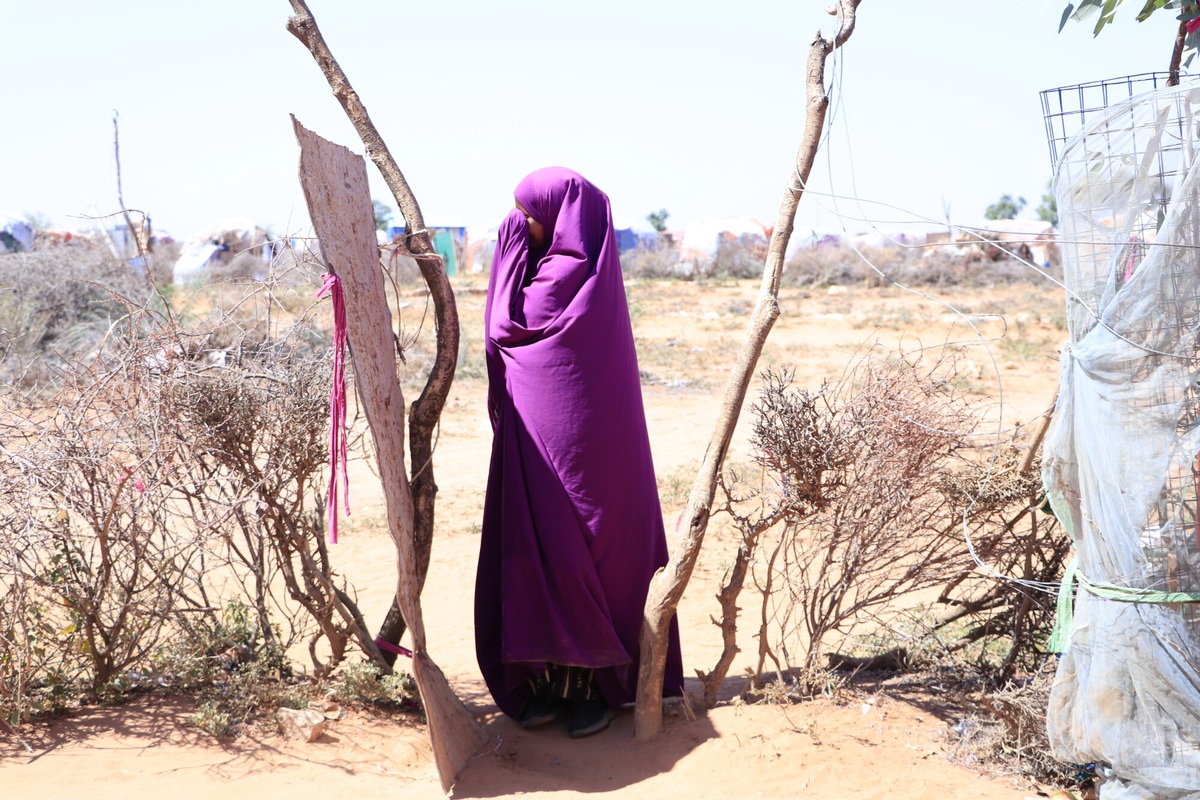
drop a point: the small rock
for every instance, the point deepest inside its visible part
(303, 724)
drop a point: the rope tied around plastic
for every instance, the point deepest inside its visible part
(1064, 614)
(337, 406)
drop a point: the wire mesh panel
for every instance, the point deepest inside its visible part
(1068, 109)
(1120, 459)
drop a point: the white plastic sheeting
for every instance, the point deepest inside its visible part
(220, 242)
(1120, 458)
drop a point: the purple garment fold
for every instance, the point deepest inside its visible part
(572, 527)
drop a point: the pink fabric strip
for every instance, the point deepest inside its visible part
(337, 405)
(384, 644)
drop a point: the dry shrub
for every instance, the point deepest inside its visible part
(908, 266)
(57, 306)
(858, 465)
(743, 257)
(1012, 738)
(733, 258)
(868, 486)
(1002, 511)
(183, 451)
(91, 468)
(658, 260)
(825, 266)
(258, 443)
(856, 517)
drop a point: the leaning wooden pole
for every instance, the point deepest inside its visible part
(669, 582)
(427, 409)
(339, 204)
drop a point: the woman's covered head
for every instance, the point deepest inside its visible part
(564, 210)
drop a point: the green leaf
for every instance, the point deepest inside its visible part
(1106, 15)
(1150, 7)
(1062, 23)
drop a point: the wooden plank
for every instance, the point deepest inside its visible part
(339, 203)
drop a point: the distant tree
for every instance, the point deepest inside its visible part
(1005, 208)
(658, 219)
(383, 215)
(1048, 210)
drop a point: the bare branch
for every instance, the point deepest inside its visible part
(668, 585)
(427, 409)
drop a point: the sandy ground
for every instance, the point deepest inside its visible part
(889, 739)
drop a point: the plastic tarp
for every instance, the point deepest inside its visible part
(219, 242)
(15, 235)
(193, 257)
(1120, 457)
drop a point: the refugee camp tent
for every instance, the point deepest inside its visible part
(210, 249)
(1031, 239)
(701, 239)
(481, 246)
(15, 235)
(449, 239)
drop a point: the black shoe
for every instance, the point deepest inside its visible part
(588, 717)
(538, 711)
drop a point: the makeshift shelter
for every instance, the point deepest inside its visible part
(1120, 458)
(450, 241)
(1031, 239)
(208, 252)
(632, 235)
(15, 235)
(702, 239)
(481, 246)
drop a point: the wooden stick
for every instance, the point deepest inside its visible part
(669, 582)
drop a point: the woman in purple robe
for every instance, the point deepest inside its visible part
(572, 527)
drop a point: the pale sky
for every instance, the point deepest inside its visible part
(696, 107)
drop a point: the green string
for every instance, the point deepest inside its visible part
(1060, 636)
(1064, 613)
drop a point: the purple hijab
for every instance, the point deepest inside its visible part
(572, 528)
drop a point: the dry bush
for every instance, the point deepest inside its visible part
(738, 258)
(659, 260)
(91, 468)
(870, 484)
(258, 444)
(733, 258)
(252, 392)
(907, 266)
(856, 518)
(56, 307)
(825, 266)
(186, 450)
(858, 465)
(1011, 737)
(1003, 513)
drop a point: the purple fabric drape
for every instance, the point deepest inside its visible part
(572, 528)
